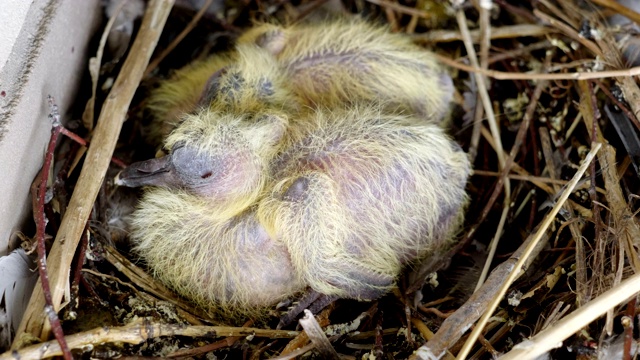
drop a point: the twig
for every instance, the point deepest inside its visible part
(75, 284)
(631, 117)
(619, 8)
(457, 323)
(378, 345)
(401, 8)
(510, 161)
(432, 310)
(627, 323)
(302, 339)
(41, 224)
(308, 9)
(295, 353)
(486, 346)
(502, 75)
(628, 231)
(550, 338)
(503, 32)
(88, 115)
(529, 178)
(485, 44)
(136, 333)
(224, 343)
(317, 336)
(391, 19)
(192, 24)
(427, 334)
(482, 88)
(148, 283)
(96, 164)
(519, 51)
(582, 295)
(569, 31)
(495, 132)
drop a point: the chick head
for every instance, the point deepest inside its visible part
(253, 82)
(220, 157)
(247, 81)
(341, 62)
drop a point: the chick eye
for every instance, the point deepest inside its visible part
(192, 165)
(233, 84)
(212, 88)
(265, 88)
(206, 175)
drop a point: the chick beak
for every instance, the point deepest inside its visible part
(158, 172)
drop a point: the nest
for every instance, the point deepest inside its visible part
(546, 261)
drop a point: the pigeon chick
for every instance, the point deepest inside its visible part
(246, 210)
(330, 64)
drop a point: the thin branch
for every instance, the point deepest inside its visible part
(503, 32)
(401, 8)
(137, 332)
(502, 75)
(41, 224)
(317, 336)
(192, 24)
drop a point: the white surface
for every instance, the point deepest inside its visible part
(48, 56)
(16, 285)
(13, 14)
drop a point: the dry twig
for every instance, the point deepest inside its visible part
(137, 332)
(317, 336)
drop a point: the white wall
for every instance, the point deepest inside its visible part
(43, 50)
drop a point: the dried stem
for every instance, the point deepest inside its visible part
(224, 343)
(41, 224)
(495, 132)
(619, 8)
(401, 8)
(192, 24)
(88, 116)
(317, 336)
(502, 75)
(137, 332)
(503, 32)
(302, 339)
(627, 323)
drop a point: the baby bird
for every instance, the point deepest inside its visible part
(306, 158)
(306, 66)
(351, 61)
(347, 200)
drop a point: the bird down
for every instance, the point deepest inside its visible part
(303, 159)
